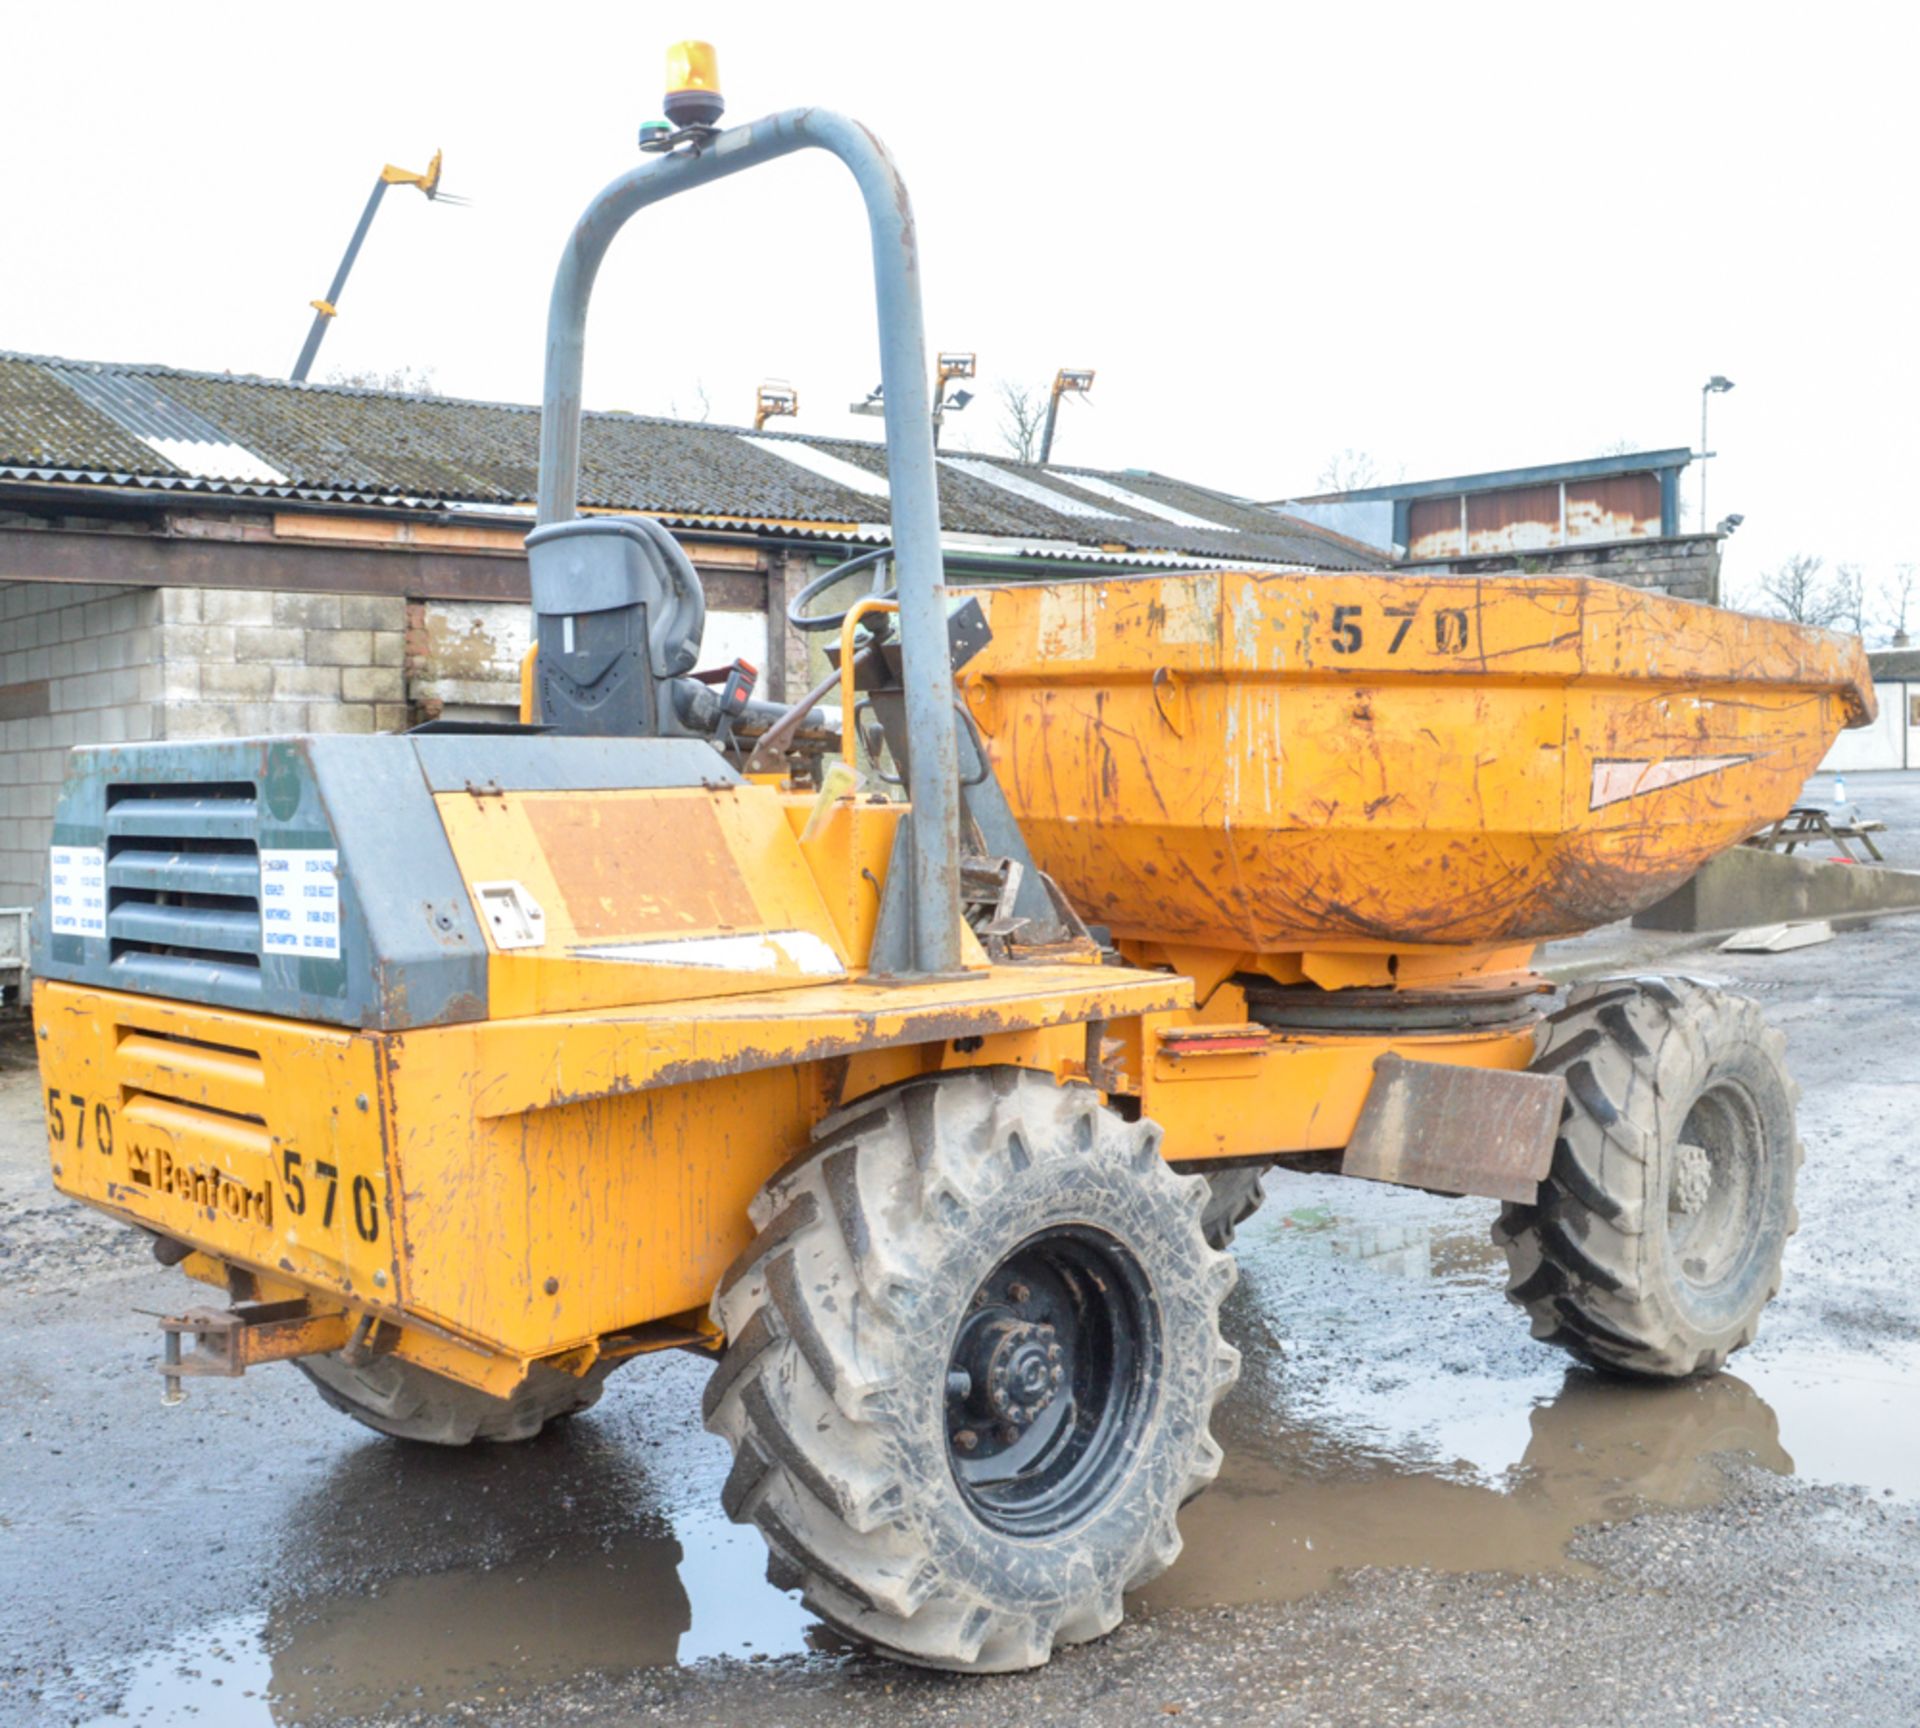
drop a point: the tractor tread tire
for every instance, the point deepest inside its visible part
(407, 1402)
(1589, 1261)
(832, 1390)
(1235, 1194)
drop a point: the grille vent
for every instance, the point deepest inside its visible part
(183, 884)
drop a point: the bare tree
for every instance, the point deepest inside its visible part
(1023, 416)
(1898, 593)
(1797, 591)
(1348, 470)
(702, 403)
(1619, 447)
(1848, 598)
(397, 380)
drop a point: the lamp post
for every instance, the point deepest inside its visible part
(1714, 386)
(773, 400)
(1075, 379)
(946, 369)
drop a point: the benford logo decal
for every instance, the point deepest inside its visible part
(209, 1189)
(1615, 782)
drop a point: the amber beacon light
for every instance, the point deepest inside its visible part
(693, 85)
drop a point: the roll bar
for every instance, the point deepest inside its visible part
(933, 763)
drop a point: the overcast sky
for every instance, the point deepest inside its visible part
(1454, 237)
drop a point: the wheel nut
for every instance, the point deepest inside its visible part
(1009, 1434)
(1019, 1292)
(1058, 1375)
(1053, 1352)
(966, 1439)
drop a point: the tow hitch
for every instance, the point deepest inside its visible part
(227, 1342)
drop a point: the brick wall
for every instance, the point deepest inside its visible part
(77, 666)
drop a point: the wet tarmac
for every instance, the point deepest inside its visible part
(252, 1559)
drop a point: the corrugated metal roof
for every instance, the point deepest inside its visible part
(1500, 479)
(159, 427)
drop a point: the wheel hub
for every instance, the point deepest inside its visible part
(1692, 1178)
(1023, 1369)
(1047, 1378)
(1716, 1204)
(1007, 1369)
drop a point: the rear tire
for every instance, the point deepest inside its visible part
(1657, 1238)
(408, 1402)
(1235, 1194)
(973, 1353)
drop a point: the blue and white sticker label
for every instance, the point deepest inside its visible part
(77, 880)
(300, 903)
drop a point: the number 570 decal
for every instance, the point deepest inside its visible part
(1450, 628)
(326, 1179)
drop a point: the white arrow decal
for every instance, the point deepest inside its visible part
(1615, 782)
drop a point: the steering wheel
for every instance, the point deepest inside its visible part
(796, 607)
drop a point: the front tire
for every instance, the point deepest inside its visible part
(973, 1355)
(1658, 1234)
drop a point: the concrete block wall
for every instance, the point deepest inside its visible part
(237, 662)
(92, 665)
(97, 665)
(78, 665)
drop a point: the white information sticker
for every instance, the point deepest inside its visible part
(300, 903)
(77, 879)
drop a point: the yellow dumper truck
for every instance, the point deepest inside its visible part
(471, 1063)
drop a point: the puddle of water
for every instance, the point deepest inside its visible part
(441, 1639)
(1847, 1419)
(1276, 1528)
(1396, 1426)
(215, 1677)
(1392, 1415)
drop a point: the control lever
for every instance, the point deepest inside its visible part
(714, 702)
(769, 755)
(736, 691)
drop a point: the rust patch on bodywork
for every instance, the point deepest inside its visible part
(631, 868)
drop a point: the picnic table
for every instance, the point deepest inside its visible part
(1806, 824)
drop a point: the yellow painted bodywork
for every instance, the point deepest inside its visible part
(619, 871)
(1321, 783)
(554, 1181)
(1274, 764)
(201, 1109)
(531, 1185)
(1292, 1094)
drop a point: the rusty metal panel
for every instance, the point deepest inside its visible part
(1457, 1130)
(1519, 519)
(1433, 528)
(1614, 507)
(1257, 766)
